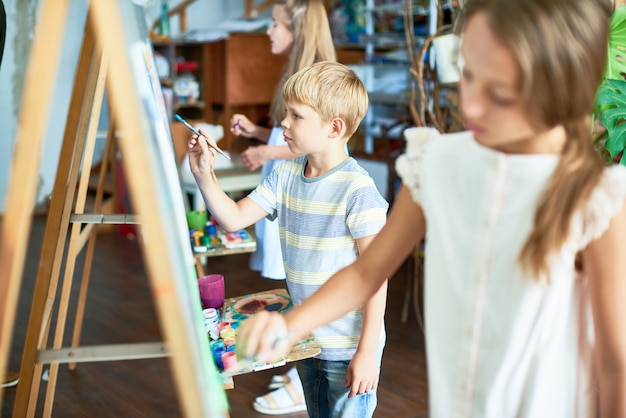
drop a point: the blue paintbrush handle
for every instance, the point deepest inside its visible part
(195, 131)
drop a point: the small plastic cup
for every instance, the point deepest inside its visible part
(196, 220)
(211, 291)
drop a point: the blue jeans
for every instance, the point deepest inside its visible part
(325, 391)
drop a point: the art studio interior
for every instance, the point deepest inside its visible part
(122, 294)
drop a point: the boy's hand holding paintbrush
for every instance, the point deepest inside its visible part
(202, 154)
(201, 133)
(231, 215)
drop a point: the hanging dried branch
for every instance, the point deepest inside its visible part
(425, 88)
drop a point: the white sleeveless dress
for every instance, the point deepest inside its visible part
(268, 258)
(500, 344)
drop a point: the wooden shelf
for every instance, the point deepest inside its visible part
(199, 104)
(237, 72)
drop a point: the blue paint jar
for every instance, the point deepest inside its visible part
(218, 350)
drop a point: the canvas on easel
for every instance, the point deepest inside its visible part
(116, 33)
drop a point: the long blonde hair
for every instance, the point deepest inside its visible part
(312, 42)
(560, 46)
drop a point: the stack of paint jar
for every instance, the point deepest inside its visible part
(222, 336)
(203, 240)
(211, 322)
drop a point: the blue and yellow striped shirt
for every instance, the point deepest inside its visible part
(320, 220)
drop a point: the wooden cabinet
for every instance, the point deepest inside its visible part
(174, 52)
(241, 73)
(238, 73)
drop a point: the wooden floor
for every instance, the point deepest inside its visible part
(120, 310)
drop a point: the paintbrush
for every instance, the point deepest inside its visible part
(248, 365)
(195, 131)
(250, 361)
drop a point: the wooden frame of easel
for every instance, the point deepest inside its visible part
(252, 10)
(185, 344)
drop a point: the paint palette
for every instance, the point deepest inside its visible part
(276, 300)
(256, 303)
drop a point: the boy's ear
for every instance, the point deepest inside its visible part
(337, 128)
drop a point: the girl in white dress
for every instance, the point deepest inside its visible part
(300, 30)
(525, 267)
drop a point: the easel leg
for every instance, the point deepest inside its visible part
(189, 362)
(54, 237)
(36, 100)
(107, 159)
(94, 97)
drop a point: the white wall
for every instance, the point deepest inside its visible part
(200, 15)
(11, 79)
(21, 18)
(20, 22)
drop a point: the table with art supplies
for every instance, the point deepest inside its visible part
(209, 240)
(222, 324)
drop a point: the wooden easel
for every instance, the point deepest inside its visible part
(185, 341)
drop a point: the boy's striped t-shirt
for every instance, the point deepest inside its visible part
(319, 219)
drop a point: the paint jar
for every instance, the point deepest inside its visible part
(210, 229)
(222, 326)
(228, 341)
(226, 333)
(211, 322)
(212, 331)
(211, 314)
(205, 240)
(218, 351)
(216, 343)
(229, 361)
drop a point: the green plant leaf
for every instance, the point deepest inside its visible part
(611, 95)
(610, 102)
(611, 108)
(616, 141)
(616, 51)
